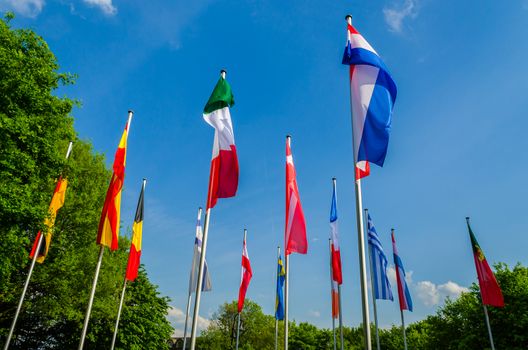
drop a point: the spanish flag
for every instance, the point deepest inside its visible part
(137, 230)
(57, 201)
(108, 232)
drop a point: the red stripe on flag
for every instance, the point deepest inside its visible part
(223, 177)
(337, 274)
(133, 263)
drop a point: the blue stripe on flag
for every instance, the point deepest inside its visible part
(382, 287)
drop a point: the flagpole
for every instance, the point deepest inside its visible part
(202, 263)
(92, 294)
(334, 181)
(372, 288)
(119, 314)
(489, 326)
(286, 279)
(242, 271)
(30, 272)
(361, 245)
(188, 309)
(332, 294)
(403, 329)
(276, 302)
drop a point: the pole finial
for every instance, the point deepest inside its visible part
(223, 73)
(130, 111)
(334, 179)
(348, 18)
(467, 218)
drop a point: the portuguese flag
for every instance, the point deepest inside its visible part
(137, 231)
(108, 231)
(489, 288)
(223, 178)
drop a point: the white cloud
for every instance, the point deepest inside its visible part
(28, 8)
(394, 16)
(177, 318)
(431, 294)
(105, 5)
(314, 313)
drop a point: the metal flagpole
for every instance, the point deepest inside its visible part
(334, 181)
(30, 272)
(332, 294)
(241, 277)
(403, 329)
(361, 245)
(119, 314)
(371, 254)
(276, 301)
(489, 326)
(286, 285)
(92, 294)
(190, 288)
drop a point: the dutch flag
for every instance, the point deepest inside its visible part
(373, 93)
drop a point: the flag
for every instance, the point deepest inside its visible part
(382, 287)
(279, 298)
(206, 279)
(295, 228)
(337, 274)
(57, 201)
(137, 232)
(489, 288)
(108, 231)
(223, 178)
(335, 300)
(403, 291)
(373, 93)
(245, 277)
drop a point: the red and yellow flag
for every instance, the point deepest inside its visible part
(108, 232)
(137, 231)
(57, 201)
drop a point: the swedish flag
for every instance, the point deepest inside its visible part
(279, 299)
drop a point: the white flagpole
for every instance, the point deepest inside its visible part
(371, 254)
(489, 327)
(241, 277)
(98, 266)
(30, 272)
(334, 181)
(286, 280)
(361, 245)
(403, 329)
(188, 309)
(276, 320)
(119, 314)
(331, 294)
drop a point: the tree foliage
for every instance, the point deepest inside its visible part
(35, 128)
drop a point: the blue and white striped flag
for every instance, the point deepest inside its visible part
(193, 280)
(381, 284)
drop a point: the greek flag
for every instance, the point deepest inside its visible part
(380, 280)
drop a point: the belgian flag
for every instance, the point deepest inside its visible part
(57, 201)
(137, 230)
(489, 288)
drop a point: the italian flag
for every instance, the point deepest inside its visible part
(223, 178)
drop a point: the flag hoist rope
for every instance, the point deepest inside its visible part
(124, 288)
(361, 243)
(374, 307)
(30, 272)
(189, 297)
(97, 268)
(197, 299)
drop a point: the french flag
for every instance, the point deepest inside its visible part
(403, 289)
(372, 94)
(337, 274)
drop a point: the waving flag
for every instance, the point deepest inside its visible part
(489, 288)
(57, 201)
(373, 93)
(335, 300)
(295, 229)
(382, 287)
(137, 231)
(193, 280)
(108, 232)
(403, 291)
(337, 274)
(245, 277)
(279, 298)
(223, 178)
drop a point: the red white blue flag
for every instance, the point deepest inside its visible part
(403, 291)
(337, 275)
(373, 93)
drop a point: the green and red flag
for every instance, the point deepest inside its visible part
(137, 232)
(489, 288)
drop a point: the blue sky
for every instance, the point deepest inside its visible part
(457, 143)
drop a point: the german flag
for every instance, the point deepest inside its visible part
(108, 232)
(57, 201)
(489, 288)
(137, 230)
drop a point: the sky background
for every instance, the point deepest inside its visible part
(457, 148)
